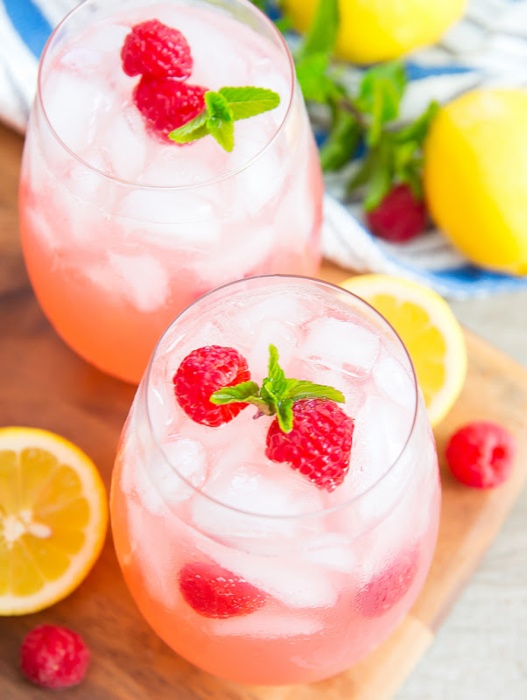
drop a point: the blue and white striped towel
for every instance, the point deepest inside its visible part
(487, 47)
(24, 28)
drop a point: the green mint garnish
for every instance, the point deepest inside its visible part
(222, 109)
(365, 112)
(277, 394)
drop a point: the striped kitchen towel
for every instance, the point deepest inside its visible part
(25, 26)
(487, 47)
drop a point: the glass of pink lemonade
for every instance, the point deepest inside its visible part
(267, 550)
(122, 227)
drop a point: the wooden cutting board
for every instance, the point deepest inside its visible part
(44, 384)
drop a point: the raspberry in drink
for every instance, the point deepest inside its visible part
(275, 498)
(121, 226)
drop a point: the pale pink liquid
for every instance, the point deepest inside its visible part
(330, 564)
(121, 231)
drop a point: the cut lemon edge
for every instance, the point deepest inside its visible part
(53, 518)
(430, 331)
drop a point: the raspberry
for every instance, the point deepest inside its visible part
(167, 104)
(216, 592)
(154, 49)
(200, 374)
(54, 657)
(480, 454)
(389, 586)
(319, 444)
(399, 217)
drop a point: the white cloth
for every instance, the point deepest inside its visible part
(487, 47)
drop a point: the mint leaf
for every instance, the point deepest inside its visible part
(417, 130)
(380, 94)
(284, 416)
(235, 394)
(220, 121)
(342, 141)
(245, 102)
(388, 79)
(380, 176)
(275, 384)
(314, 82)
(303, 389)
(222, 109)
(191, 131)
(322, 33)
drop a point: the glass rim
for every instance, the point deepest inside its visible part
(168, 188)
(146, 380)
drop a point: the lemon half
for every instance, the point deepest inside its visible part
(429, 330)
(53, 518)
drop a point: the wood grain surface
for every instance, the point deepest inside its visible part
(44, 384)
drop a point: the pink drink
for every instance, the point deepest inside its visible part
(121, 230)
(337, 571)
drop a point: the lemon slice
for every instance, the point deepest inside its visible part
(53, 518)
(428, 328)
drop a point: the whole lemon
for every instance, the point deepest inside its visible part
(380, 30)
(475, 176)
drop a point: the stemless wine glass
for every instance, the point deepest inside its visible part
(244, 565)
(122, 229)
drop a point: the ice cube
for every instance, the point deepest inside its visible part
(258, 185)
(287, 579)
(74, 106)
(259, 499)
(181, 218)
(393, 380)
(214, 41)
(237, 257)
(105, 37)
(381, 431)
(179, 470)
(80, 58)
(268, 625)
(135, 482)
(276, 305)
(296, 214)
(342, 343)
(43, 228)
(350, 386)
(161, 410)
(141, 280)
(155, 552)
(332, 550)
(173, 166)
(84, 182)
(284, 336)
(125, 143)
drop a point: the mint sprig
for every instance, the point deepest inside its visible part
(277, 394)
(222, 109)
(365, 113)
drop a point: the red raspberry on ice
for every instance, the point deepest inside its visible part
(167, 104)
(399, 217)
(389, 586)
(200, 374)
(213, 591)
(480, 454)
(319, 445)
(154, 49)
(54, 657)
